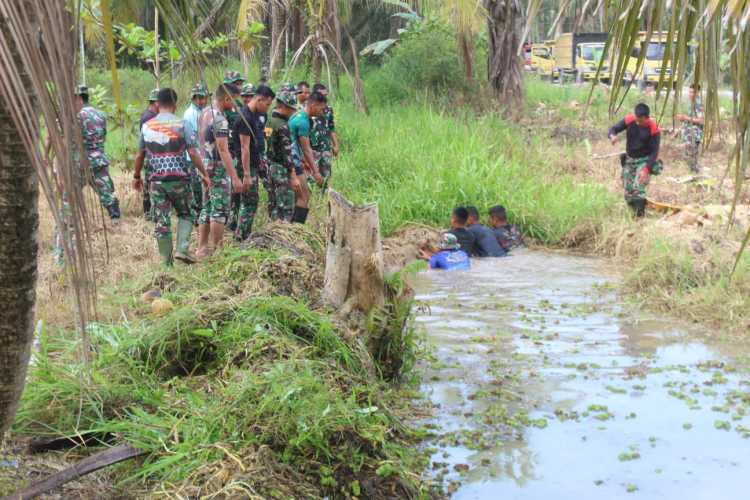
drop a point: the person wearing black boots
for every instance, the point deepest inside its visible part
(641, 158)
(300, 126)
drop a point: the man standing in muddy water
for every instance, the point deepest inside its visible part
(641, 159)
(486, 244)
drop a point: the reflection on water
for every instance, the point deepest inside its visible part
(544, 388)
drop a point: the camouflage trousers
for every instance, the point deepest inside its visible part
(168, 195)
(196, 184)
(246, 208)
(324, 160)
(146, 194)
(216, 201)
(634, 189)
(692, 137)
(62, 234)
(280, 193)
(105, 189)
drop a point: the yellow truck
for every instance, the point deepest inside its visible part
(650, 72)
(541, 60)
(589, 57)
(574, 55)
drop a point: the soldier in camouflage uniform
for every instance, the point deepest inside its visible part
(641, 159)
(250, 128)
(282, 180)
(235, 79)
(94, 133)
(323, 138)
(165, 142)
(247, 93)
(213, 138)
(692, 128)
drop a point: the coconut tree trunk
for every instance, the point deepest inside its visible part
(504, 68)
(19, 221)
(278, 15)
(466, 49)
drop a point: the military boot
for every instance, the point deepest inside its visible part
(165, 250)
(184, 228)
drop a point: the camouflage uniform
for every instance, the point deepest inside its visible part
(234, 78)
(94, 133)
(280, 162)
(322, 143)
(245, 208)
(508, 236)
(166, 195)
(693, 136)
(634, 189)
(213, 124)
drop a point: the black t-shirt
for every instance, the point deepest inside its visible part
(253, 125)
(466, 240)
(642, 141)
(486, 243)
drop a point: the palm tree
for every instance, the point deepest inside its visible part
(504, 70)
(37, 51)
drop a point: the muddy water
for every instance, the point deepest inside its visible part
(545, 388)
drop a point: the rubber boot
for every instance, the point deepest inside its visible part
(114, 210)
(300, 215)
(165, 250)
(640, 208)
(184, 228)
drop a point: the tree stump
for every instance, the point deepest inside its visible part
(354, 258)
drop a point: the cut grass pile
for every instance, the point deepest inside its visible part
(246, 386)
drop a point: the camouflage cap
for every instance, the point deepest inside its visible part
(82, 90)
(247, 90)
(199, 90)
(153, 96)
(287, 95)
(449, 242)
(232, 77)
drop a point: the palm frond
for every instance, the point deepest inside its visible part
(41, 34)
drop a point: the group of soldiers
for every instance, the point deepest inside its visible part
(207, 164)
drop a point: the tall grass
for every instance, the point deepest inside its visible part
(229, 372)
(418, 161)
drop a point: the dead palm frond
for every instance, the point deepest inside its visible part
(41, 33)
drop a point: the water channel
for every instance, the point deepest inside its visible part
(544, 387)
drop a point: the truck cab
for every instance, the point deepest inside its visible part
(568, 56)
(541, 60)
(650, 73)
(589, 57)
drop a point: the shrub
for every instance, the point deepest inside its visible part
(425, 61)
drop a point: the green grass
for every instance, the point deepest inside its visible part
(668, 276)
(418, 162)
(229, 372)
